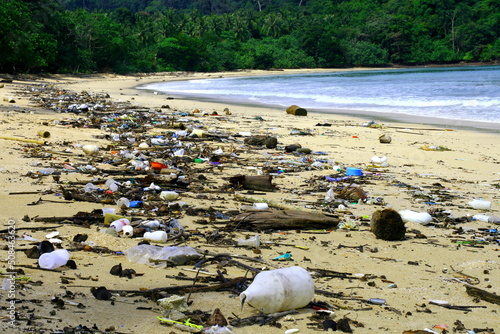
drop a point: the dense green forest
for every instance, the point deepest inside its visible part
(60, 36)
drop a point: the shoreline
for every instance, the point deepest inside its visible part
(364, 116)
(367, 115)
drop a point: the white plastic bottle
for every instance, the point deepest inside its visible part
(54, 259)
(119, 224)
(157, 236)
(128, 231)
(480, 204)
(279, 290)
(415, 217)
(250, 242)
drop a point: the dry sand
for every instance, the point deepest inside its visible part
(434, 268)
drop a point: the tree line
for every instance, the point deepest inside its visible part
(123, 36)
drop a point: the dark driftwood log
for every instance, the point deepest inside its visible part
(283, 220)
(482, 294)
(296, 110)
(253, 182)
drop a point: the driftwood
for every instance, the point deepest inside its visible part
(296, 110)
(182, 289)
(253, 182)
(482, 294)
(283, 220)
(261, 319)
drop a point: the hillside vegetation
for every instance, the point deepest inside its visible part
(213, 35)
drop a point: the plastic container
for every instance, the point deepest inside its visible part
(112, 185)
(119, 224)
(415, 217)
(151, 223)
(197, 133)
(376, 301)
(175, 226)
(108, 210)
(260, 206)
(156, 236)
(128, 231)
(90, 149)
(350, 171)
(179, 153)
(43, 133)
(177, 254)
(480, 204)
(89, 187)
(53, 259)
(169, 195)
(250, 242)
(123, 202)
(279, 290)
(135, 204)
(379, 161)
(330, 196)
(46, 171)
(109, 218)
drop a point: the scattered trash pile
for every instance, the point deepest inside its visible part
(157, 166)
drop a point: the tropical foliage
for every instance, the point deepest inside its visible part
(213, 35)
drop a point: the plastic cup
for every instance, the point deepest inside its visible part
(108, 210)
(123, 201)
(53, 259)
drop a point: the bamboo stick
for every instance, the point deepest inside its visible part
(40, 142)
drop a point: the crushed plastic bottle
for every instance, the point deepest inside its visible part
(175, 254)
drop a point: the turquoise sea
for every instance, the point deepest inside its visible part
(444, 94)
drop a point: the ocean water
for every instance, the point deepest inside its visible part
(448, 93)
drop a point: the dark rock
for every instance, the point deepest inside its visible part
(32, 253)
(71, 264)
(116, 270)
(268, 141)
(385, 139)
(101, 293)
(80, 237)
(343, 325)
(45, 247)
(217, 319)
(292, 148)
(329, 324)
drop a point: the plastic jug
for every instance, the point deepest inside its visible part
(279, 290)
(53, 259)
(415, 217)
(119, 224)
(157, 236)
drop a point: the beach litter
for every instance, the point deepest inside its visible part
(161, 180)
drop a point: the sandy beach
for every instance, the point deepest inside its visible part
(431, 169)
